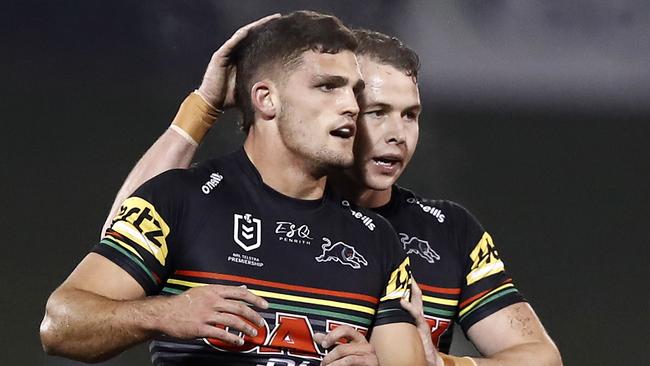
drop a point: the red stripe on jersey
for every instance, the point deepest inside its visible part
(218, 276)
(473, 298)
(441, 290)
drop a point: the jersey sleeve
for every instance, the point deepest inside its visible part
(487, 288)
(398, 284)
(141, 238)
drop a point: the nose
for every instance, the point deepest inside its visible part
(395, 133)
(350, 104)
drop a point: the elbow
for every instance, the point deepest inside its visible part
(56, 336)
(60, 333)
(556, 356)
(52, 338)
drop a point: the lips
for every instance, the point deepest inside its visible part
(344, 131)
(387, 163)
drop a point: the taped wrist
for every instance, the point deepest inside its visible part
(195, 116)
(457, 361)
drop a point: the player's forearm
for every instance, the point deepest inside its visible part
(170, 151)
(542, 353)
(397, 345)
(91, 328)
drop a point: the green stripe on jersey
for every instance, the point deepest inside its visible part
(130, 256)
(488, 300)
(433, 311)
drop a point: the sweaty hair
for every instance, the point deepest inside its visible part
(387, 50)
(276, 47)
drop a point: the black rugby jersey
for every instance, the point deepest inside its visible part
(453, 260)
(319, 263)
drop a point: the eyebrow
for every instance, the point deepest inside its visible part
(385, 106)
(339, 81)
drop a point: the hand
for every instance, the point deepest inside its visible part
(357, 351)
(194, 313)
(415, 308)
(218, 86)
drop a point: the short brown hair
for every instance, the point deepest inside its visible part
(387, 50)
(281, 42)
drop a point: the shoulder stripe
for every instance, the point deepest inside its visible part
(438, 300)
(439, 312)
(475, 303)
(486, 301)
(126, 246)
(151, 275)
(441, 290)
(481, 294)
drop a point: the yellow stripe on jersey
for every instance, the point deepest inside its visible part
(438, 300)
(464, 311)
(275, 295)
(126, 246)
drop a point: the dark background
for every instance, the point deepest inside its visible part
(536, 119)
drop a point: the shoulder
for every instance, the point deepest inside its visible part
(200, 178)
(442, 211)
(366, 217)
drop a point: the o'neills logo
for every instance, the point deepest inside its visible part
(358, 215)
(215, 179)
(435, 212)
(365, 219)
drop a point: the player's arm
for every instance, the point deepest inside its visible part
(397, 344)
(513, 335)
(173, 149)
(177, 145)
(100, 310)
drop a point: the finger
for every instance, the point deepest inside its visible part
(241, 33)
(243, 294)
(416, 294)
(239, 308)
(415, 313)
(235, 322)
(319, 338)
(221, 334)
(349, 350)
(345, 332)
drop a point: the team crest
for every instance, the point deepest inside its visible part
(343, 253)
(414, 245)
(247, 232)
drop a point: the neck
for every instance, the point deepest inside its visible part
(281, 169)
(358, 193)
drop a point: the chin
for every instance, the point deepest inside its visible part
(379, 183)
(333, 162)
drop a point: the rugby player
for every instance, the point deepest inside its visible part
(257, 226)
(452, 256)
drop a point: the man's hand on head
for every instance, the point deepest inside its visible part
(218, 86)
